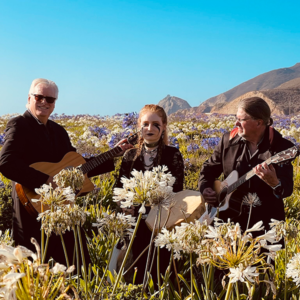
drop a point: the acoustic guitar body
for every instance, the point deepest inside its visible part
(186, 206)
(71, 159)
(229, 202)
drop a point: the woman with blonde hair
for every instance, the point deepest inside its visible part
(152, 151)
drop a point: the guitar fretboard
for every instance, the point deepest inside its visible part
(244, 178)
(100, 159)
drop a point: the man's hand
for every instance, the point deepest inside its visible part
(50, 180)
(124, 145)
(267, 174)
(210, 197)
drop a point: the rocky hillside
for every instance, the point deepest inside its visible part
(266, 81)
(171, 104)
(284, 99)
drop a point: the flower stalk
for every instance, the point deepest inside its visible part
(127, 254)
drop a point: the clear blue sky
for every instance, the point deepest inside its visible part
(115, 56)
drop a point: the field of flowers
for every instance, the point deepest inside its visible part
(202, 251)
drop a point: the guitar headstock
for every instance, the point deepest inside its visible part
(133, 139)
(285, 156)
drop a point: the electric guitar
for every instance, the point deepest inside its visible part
(71, 159)
(229, 198)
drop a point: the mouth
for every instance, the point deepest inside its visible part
(149, 134)
(42, 107)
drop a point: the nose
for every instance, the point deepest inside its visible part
(149, 127)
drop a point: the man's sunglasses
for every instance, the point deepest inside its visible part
(39, 98)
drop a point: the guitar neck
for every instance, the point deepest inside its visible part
(245, 178)
(100, 159)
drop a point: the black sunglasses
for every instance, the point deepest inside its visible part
(39, 98)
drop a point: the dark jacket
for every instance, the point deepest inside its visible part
(170, 157)
(230, 155)
(28, 141)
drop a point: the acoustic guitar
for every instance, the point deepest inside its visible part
(229, 198)
(70, 160)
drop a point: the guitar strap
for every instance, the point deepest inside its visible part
(234, 133)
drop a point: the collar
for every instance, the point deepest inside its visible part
(35, 121)
(38, 121)
(234, 138)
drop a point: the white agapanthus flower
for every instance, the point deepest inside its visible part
(118, 224)
(293, 269)
(149, 187)
(242, 274)
(62, 218)
(58, 268)
(55, 197)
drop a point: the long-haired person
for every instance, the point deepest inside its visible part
(152, 151)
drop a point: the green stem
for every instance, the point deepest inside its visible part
(162, 293)
(211, 277)
(237, 291)
(191, 268)
(285, 279)
(45, 250)
(83, 258)
(249, 217)
(158, 250)
(229, 288)
(127, 254)
(110, 255)
(77, 256)
(42, 244)
(65, 250)
(206, 281)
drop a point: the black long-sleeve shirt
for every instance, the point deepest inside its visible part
(233, 154)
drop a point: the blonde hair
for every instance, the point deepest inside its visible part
(161, 113)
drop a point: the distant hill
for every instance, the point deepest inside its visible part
(171, 104)
(280, 88)
(266, 81)
(284, 99)
(292, 84)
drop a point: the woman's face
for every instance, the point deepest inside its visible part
(152, 127)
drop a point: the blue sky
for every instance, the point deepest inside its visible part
(115, 56)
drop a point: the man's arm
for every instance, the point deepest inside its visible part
(211, 169)
(108, 165)
(11, 164)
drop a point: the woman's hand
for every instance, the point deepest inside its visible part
(124, 145)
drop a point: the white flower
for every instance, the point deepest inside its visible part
(236, 274)
(142, 210)
(58, 268)
(250, 272)
(273, 248)
(240, 274)
(293, 269)
(212, 233)
(270, 236)
(256, 227)
(274, 223)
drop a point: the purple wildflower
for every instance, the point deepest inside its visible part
(210, 143)
(192, 147)
(130, 120)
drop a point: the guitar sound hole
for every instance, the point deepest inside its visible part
(222, 196)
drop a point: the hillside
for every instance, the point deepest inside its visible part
(266, 81)
(171, 104)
